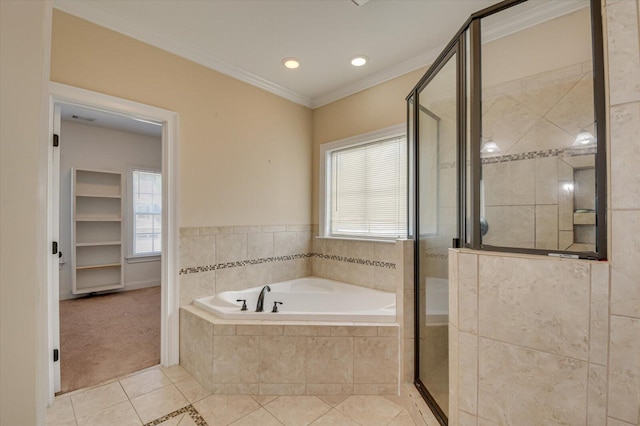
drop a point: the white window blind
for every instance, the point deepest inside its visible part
(147, 213)
(368, 190)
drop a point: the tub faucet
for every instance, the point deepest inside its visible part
(260, 306)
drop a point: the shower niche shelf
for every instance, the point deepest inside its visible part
(97, 232)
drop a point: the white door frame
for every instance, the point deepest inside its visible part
(170, 300)
(53, 222)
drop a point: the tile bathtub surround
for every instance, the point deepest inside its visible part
(372, 264)
(285, 358)
(245, 257)
(216, 259)
(162, 396)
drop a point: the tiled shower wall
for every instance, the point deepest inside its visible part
(526, 199)
(542, 341)
(528, 339)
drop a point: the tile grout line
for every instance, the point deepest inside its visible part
(533, 349)
(131, 402)
(477, 335)
(608, 366)
(73, 410)
(591, 272)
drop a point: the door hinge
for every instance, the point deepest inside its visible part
(56, 355)
(54, 247)
(56, 140)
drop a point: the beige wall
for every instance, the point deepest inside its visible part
(23, 69)
(504, 59)
(244, 153)
(372, 109)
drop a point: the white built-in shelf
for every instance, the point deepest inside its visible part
(98, 196)
(97, 255)
(98, 219)
(106, 265)
(99, 243)
(101, 288)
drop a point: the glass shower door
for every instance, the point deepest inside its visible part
(436, 226)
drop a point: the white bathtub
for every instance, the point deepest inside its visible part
(437, 301)
(306, 299)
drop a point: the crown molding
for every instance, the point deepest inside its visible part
(128, 28)
(533, 16)
(417, 62)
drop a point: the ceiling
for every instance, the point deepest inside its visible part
(251, 37)
(107, 120)
(248, 39)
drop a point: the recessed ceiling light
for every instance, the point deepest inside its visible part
(291, 63)
(359, 60)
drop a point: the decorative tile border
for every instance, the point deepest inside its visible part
(437, 256)
(573, 152)
(240, 263)
(366, 262)
(189, 409)
(539, 154)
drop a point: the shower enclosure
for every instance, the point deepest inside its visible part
(435, 106)
(507, 153)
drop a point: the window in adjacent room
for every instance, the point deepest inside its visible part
(146, 213)
(365, 186)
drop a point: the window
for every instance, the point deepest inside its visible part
(365, 186)
(146, 217)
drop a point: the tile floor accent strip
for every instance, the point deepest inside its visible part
(189, 409)
(240, 263)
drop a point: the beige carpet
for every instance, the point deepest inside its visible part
(107, 336)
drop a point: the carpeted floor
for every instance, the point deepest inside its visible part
(107, 336)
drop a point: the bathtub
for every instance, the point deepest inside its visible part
(437, 301)
(306, 299)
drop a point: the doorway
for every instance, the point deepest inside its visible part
(99, 252)
(110, 245)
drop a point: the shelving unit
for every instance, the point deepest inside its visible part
(97, 231)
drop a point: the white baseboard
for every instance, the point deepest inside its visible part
(135, 285)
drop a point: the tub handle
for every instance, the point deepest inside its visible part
(275, 307)
(244, 304)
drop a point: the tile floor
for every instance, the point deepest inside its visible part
(171, 397)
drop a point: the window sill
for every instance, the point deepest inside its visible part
(371, 240)
(142, 259)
